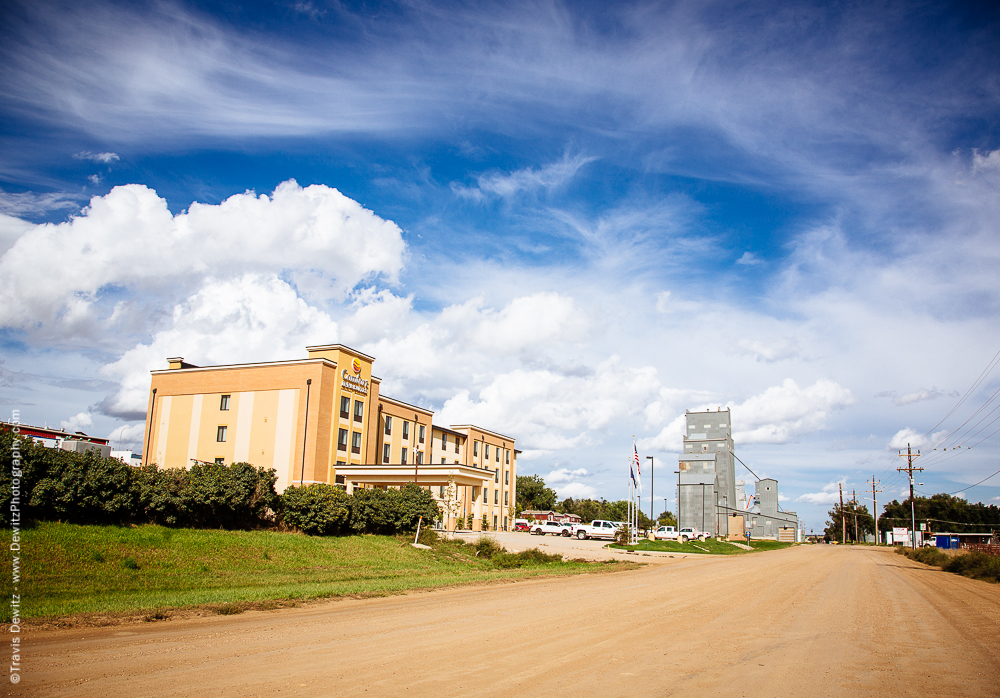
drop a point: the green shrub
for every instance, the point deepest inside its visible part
(163, 495)
(317, 509)
(230, 496)
(975, 564)
(928, 556)
(82, 488)
(428, 536)
(488, 547)
(392, 511)
(532, 556)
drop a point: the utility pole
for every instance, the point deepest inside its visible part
(856, 539)
(913, 509)
(843, 526)
(875, 483)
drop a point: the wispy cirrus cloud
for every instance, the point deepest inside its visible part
(528, 179)
(101, 158)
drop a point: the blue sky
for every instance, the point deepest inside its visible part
(565, 221)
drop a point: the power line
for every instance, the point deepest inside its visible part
(956, 523)
(978, 483)
(982, 376)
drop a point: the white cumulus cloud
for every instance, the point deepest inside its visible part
(786, 411)
(127, 243)
(576, 490)
(565, 475)
(830, 494)
(914, 439)
(77, 422)
(248, 319)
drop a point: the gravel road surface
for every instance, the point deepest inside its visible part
(806, 621)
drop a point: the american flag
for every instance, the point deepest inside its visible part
(635, 455)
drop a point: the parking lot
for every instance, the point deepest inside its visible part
(569, 547)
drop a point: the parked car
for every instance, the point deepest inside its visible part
(521, 526)
(567, 529)
(540, 528)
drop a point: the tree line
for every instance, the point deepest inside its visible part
(84, 488)
(942, 511)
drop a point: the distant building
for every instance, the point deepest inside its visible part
(708, 495)
(323, 419)
(707, 477)
(76, 442)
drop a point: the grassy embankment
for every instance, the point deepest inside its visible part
(974, 564)
(68, 569)
(709, 547)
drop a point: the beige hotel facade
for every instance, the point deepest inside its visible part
(323, 419)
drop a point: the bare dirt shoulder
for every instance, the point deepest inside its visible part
(811, 620)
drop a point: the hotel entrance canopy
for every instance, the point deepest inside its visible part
(424, 474)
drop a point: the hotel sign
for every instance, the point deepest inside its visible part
(355, 383)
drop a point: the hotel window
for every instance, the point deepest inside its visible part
(342, 440)
(475, 448)
(224, 404)
(388, 425)
(441, 491)
(486, 451)
(385, 453)
(456, 445)
(474, 494)
(345, 407)
(496, 476)
(403, 458)
(220, 461)
(498, 455)
(442, 460)
(505, 501)
(444, 441)
(356, 442)
(423, 433)
(506, 457)
(359, 410)
(220, 434)
(406, 430)
(420, 457)
(506, 477)
(494, 522)
(496, 496)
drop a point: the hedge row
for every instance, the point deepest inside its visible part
(56, 485)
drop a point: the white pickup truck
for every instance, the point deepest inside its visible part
(665, 533)
(596, 529)
(683, 535)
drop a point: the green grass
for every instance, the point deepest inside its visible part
(68, 569)
(974, 564)
(708, 547)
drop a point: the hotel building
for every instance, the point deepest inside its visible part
(323, 419)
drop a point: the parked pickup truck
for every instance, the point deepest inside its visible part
(596, 529)
(686, 534)
(665, 533)
(540, 528)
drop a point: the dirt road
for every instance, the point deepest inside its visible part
(807, 621)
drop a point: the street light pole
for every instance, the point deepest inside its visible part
(652, 466)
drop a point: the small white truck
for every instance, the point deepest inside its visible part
(682, 536)
(665, 533)
(596, 529)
